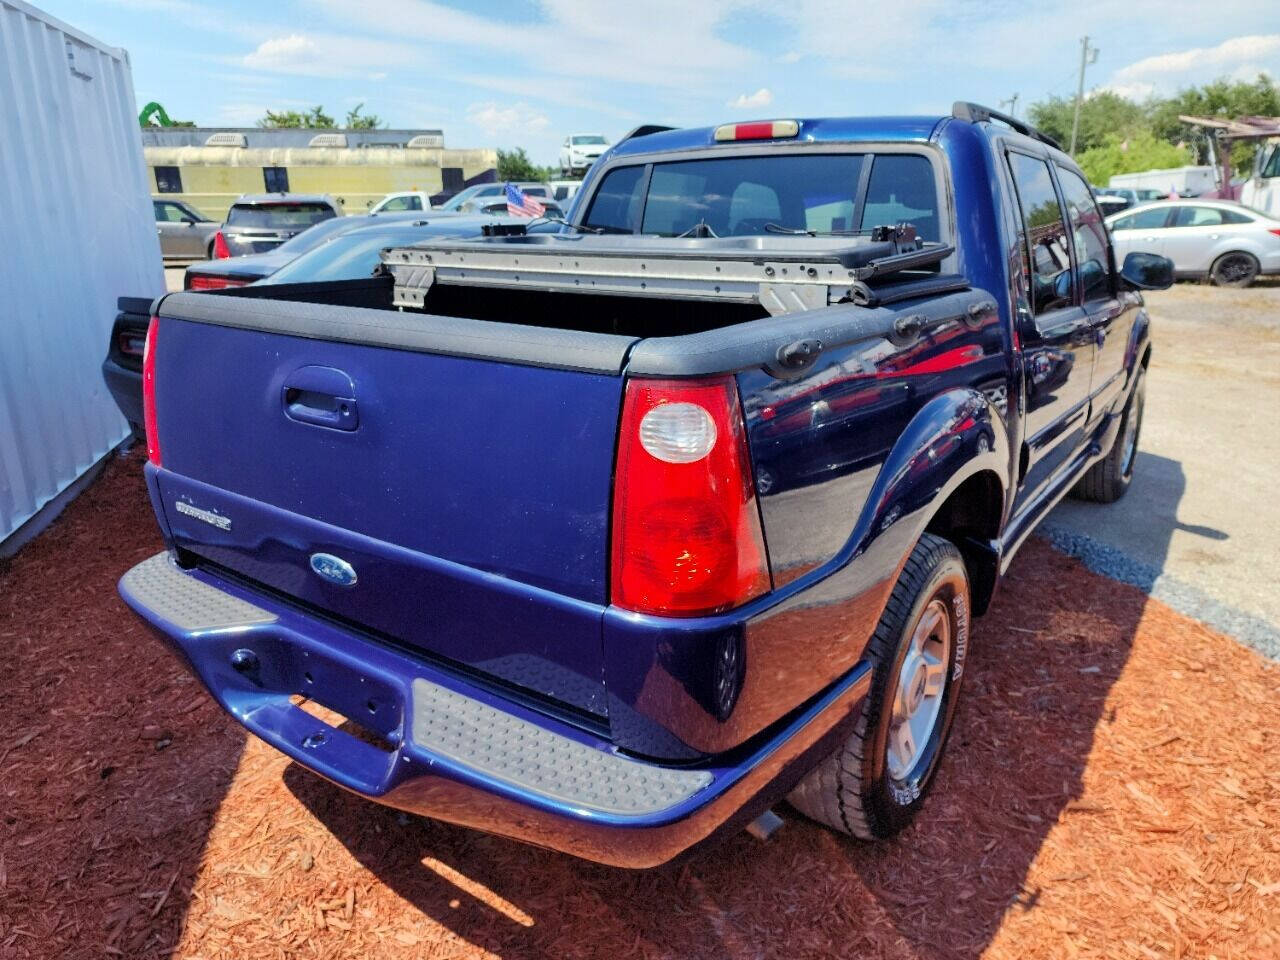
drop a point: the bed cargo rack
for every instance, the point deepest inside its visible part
(781, 274)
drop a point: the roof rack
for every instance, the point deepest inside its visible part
(976, 113)
(644, 130)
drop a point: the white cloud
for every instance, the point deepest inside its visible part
(284, 53)
(326, 55)
(378, 75)
(572, 40)
(791, 56)
(506, 122)
(1228, 55)
(750, 101)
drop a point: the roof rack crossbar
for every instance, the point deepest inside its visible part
(976, 113)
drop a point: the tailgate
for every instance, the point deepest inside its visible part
(441, 482)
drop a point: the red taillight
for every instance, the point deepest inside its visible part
(1275, 230)
(196, 281)
(220, 249)
(686, 530)
(149, 392)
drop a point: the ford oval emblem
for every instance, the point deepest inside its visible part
(334, 569)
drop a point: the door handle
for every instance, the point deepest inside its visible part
(321, 397)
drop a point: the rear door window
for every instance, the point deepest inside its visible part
(1087, 233)
(1195, 217)
(1151, 219)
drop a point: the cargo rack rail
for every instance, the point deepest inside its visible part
(777, 273)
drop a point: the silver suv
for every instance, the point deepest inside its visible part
(260, 222)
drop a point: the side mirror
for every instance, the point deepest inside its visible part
(1147, 271)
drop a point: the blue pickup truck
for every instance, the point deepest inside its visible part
(611, 538)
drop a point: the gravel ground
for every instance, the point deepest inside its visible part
(1198, 527)
(1111, 791)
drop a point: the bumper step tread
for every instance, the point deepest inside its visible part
(521, 753)
(186, 602)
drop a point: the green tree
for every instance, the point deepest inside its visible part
(370, 121)
(314, 118)
(1132, 154)
(516, 165)
(1101, 114)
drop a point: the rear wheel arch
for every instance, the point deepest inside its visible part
(970, 518)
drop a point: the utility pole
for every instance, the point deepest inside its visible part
(1088, 55)
(1013, 105)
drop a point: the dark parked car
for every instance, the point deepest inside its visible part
(343, 248)
(257, 223)
(500, 508)
(237, 271)
(185, 232)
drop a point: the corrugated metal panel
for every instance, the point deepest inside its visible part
(76, 231)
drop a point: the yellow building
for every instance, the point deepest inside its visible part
(210, 168)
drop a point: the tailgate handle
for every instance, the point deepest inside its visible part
(322, 397)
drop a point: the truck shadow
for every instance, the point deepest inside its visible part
(114, 761)
(1037, 688)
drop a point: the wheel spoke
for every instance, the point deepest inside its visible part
(928, 627)
(935, 677)
(903, 746)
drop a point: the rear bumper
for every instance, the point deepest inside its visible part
(457, 752)
(126, 389)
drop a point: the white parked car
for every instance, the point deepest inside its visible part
(579, 151)
(403, 202)
(1225, 242)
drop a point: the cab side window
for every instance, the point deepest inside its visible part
(1089, 235)
(1046, 255)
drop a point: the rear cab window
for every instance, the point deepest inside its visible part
(278, 214)
(752, 195)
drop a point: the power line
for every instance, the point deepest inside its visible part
(1013, 105)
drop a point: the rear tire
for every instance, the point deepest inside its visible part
(1108, 479)
(1237, 269)
(875, 783)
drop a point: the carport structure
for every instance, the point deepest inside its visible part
(1227, 132)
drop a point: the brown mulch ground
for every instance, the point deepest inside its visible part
(1113, 790)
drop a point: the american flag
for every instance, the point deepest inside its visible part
(521, 205)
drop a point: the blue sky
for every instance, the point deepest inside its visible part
(526, 72)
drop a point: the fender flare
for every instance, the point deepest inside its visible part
(955, 437)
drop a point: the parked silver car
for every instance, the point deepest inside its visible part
(185, 233)
(1223, 241)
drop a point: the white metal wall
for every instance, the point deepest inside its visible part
(76, 231)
